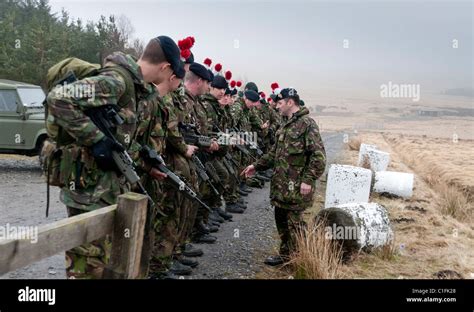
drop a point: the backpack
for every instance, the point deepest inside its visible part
(68, 71)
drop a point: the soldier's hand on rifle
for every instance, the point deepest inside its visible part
(157, 174)
(190, 150)
(214, 146)
(102, 152)
(305, 189)
(249, 171)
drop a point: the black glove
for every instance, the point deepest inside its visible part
(102, 152)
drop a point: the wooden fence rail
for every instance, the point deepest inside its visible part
(124, 221)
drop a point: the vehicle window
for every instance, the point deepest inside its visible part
(8, 100)
(31, 97)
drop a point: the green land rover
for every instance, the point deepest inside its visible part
(22, 126)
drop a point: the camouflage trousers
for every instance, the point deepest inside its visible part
(232, 183)
(190, 209)
(166, 230)
(208, 196)
(172, 231)
(87, 261)
(288, 223)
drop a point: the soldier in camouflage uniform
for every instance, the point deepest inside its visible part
(264, 114)
(151, 131)
(232, 197)
(197, 84)
(216, 116)
(250, 122)
(178, 155)
(298, 160)
(268, 115)
(88, 172)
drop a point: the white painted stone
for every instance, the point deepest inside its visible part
(363, 151)
(395, 183)
(347, 184)
(369, 221)
(378, 160)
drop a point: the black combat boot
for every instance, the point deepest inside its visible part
(245, 188)
(188, 261)
(180, 269)
(242, 193)
(213, 228)
(205, 239)
(190, 251)
(276, 260)
(213, 223)
(233, 208)
(214, 216)
(168, 276)
(241, 201)
(202, 228)
(240, 205)
(224, 214)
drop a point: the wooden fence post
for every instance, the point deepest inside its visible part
(127, 240)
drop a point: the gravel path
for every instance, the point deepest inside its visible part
(241, 244)
(238, 253)
(245, 242)
(23, 203)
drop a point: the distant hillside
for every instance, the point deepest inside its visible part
(468, 92)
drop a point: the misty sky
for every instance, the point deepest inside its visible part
(301, 44)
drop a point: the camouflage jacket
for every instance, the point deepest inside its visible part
(197, 113)
(275, 119)
(297, 156)
(236, 109)
(175, 155)
(246, 119)
(86, 186)
(215, 114)
(176, 104)
(151, 131)
(230, 120)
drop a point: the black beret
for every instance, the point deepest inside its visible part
(273, 96)
(228, 91)
(287, 93)
(190, 59)
(200, 71)
(240, 93)
(301, 102)
(252, 95)
(219, 82)
(251, 86)
(172, 54)
(211, 75)
(233, 92)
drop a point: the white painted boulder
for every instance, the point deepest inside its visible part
(347, 184)
(378, 160)
(357, 226)
(363, 152)
(394, 183)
